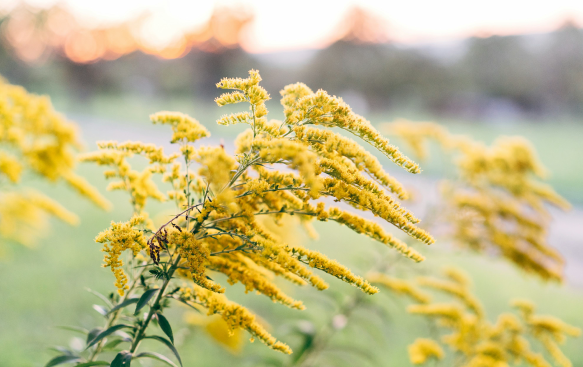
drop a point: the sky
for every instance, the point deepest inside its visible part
(306, 24)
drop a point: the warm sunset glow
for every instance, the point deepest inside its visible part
(34, 32)
(87, 31)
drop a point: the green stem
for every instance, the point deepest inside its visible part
(186, 162)
(254, 120)
(142, 331)
(240, 171)
(113, 318)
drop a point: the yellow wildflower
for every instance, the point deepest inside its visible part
(236, 316)
(423, 350)
(399, 286)
(118, 238)
(196, 255)
(184, 127)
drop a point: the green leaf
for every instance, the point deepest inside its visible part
(74, 328)
(125, 303)
(102, 310)
(144, 299)
(122, 359)
(112, 344)
(61, 359)
(101, 297)
(165, 326)
(107, 332)
(168, 344)
(58, 348)
(157, 356)
(94, 363)
(92, 334)
(186, 303)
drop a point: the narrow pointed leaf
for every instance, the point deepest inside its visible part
(125, 303)
(102, 310)
(61, 349)
(61, 359)
(74, 328)
(165, 326)
(122, 359)
(92, 334)
(101, 297)
(124, 336)
(167, 343)
(106, 333)
(94, 363)
(112, 344)
(157, 356)
(144, 299)
(186, 303)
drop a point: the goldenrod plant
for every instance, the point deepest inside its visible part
(498, 201)
(227, 203)
(230, 209)
(475, 341)
(35, 141)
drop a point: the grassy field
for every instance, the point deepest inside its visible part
(44, 287)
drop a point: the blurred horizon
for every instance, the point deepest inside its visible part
(157, 25)
(536, 77)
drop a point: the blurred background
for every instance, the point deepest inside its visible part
(490, 69)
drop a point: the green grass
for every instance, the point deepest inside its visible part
(45, 287)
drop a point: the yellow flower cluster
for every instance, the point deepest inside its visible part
(316, 260)
(322, 109)
(185, 128)
(370, 229)
(253, 277)
(118, 238)
(24, 216)
(139, 185)
(10, 167)
(44, 139)
(332, 146)
(399, 286)
(216, 166)
(34, 138)
(236, 316)
(196, 254)
(246, 90)
(231, 206)
(416, 135)
(499, 201)
(481, 343)
(423, 350)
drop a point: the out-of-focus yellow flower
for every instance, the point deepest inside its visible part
(399, 286)
(35, 139)
(218, 330)
(423, 350)
(499, 200)
(24, 215)
(481, 343)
